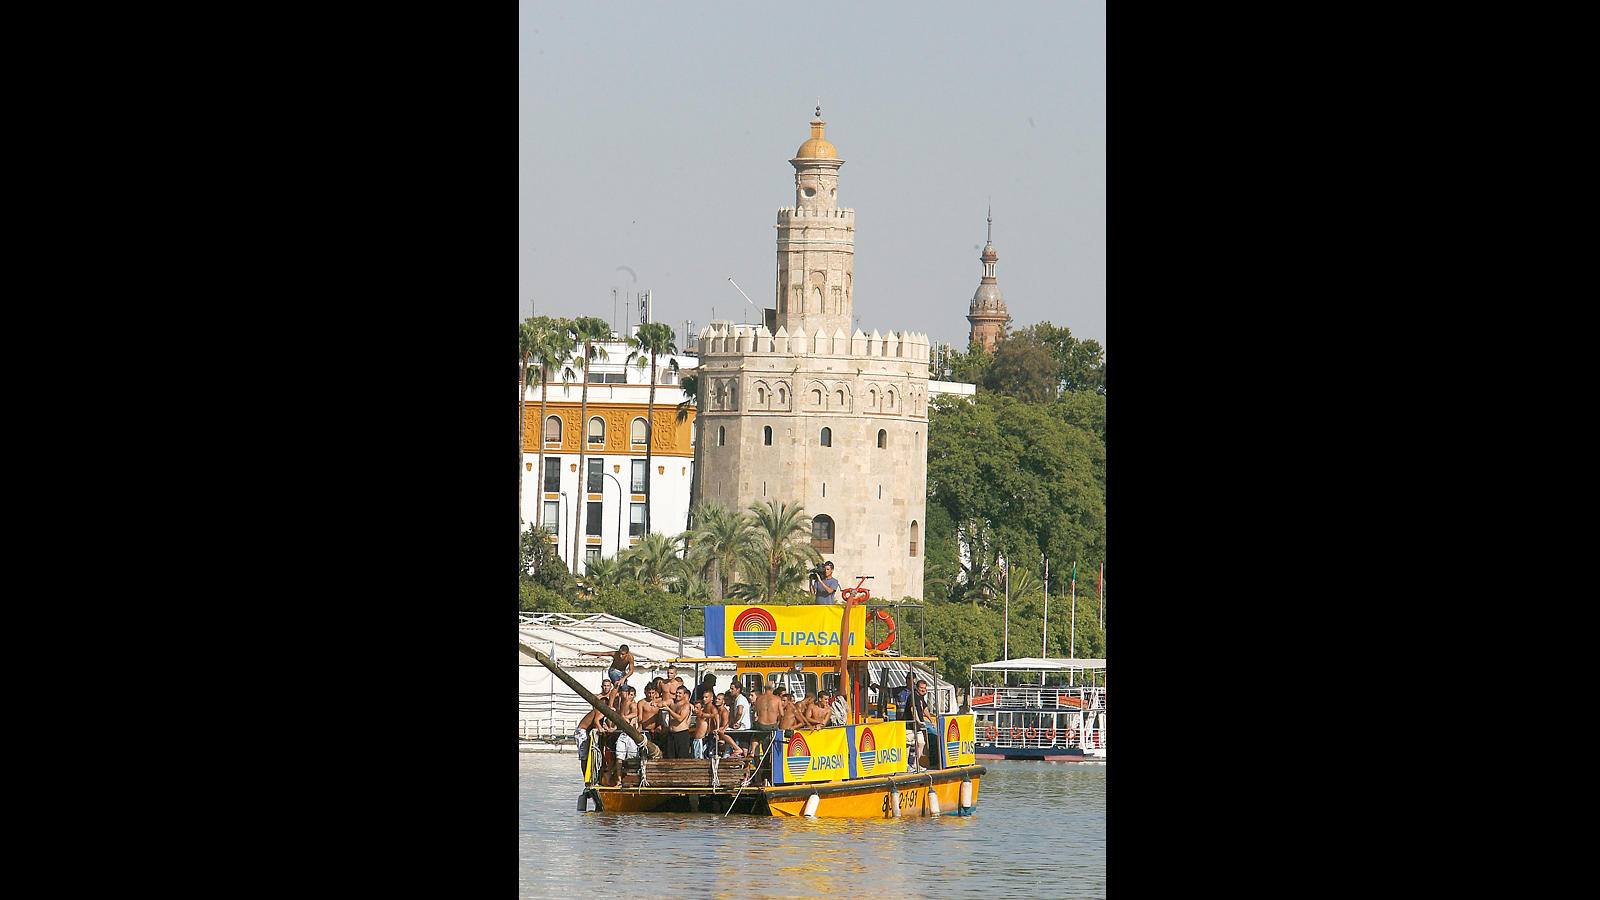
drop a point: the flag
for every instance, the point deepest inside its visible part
(1100, 582)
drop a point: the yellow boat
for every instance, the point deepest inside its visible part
(861, 769)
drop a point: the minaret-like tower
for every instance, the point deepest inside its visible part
(816, 243)
(988, 310)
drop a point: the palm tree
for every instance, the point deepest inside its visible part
(602, 573)
(722, 538)
(782, 547)
(587, 330)
(692, 588)
(528, 338)
(690, 385)
(551, 351)
(655, 560)
(652, 339)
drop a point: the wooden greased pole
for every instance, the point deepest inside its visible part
(844, 647)
(651, 751)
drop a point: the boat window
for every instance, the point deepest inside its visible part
(751, 682)
(830, 681)
(798, 683)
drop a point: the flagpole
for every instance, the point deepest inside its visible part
(1073, 641)
(1005, 630)
(1044, 642)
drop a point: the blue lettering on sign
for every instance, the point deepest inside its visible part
(811, 638)
(891, 755)
(835, 761)
(968, 748)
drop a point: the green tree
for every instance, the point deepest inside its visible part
(542, 565)
(961, 637)
(1079, 364)
(781, 551)
(969, 367)
(721, 538)
(585, 330)
(547, 350)
(653, 339)
(690, 386)
(1023, 368)
(654, 561)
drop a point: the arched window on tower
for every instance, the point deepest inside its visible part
(827, 437)
(783, 396)
(915, 533)
(883, 439)
(766, 435)
(552, 430)
(597, 430)
(822, 533)
(722, 435)
(838, 397)
(816, 396)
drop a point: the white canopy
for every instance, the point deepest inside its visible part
(1034, 664)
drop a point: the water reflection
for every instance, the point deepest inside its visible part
(1039, 831)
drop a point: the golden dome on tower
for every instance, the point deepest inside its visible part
(817, 147)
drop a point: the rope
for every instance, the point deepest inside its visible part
(752, 776)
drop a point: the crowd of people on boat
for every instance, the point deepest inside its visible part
(703, 722)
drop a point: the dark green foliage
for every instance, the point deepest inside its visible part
(1023, 368)
(1079, 364)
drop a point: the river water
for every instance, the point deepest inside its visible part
(1040, 831)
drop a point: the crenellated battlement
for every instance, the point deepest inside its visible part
(911, 346)
(792, 214)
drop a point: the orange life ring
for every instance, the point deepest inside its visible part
(1016, 735)
(1032, 734)
(888, 639)
(1050, 735)
(992, 732)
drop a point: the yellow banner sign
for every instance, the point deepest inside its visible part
(781, 630)
(877, 749)
(958, 741)
(821, 755)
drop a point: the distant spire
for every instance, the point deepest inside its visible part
(990, 236)
(819, 108)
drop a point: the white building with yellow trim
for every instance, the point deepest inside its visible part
(606, 502)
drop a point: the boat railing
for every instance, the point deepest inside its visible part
(1047, 697)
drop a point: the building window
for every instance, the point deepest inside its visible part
(591, 555)
(766, 435)
(552, 430)
(782, 396)
(596, 466)
(722, 435)
(638, 477)
(883, 438)
(638, 432)
(839, 398)
(761, 395)
(915, 532)
(636, 520)
(552, 474)
(597, 430)
(552, 515)
(891, 398)
(592, 527)
(608, 378)
(822, 534)
(816, 397)
(827, 437)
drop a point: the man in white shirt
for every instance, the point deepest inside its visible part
(740, 718)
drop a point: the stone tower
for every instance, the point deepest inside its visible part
(816, 243)
(815, 413)
(988, 310)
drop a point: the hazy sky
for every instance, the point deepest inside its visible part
(655, 139)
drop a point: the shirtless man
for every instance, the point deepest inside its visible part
(705, 727)
(816, 710)
(621, 663)
(767, 707)
(724, 722)
(792, 717)
(629, 711)
(647, 715)
(678, 725)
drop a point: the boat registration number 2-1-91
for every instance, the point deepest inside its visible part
(908, 800)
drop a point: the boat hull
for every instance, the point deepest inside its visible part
(1051, 754)
(862, 798)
